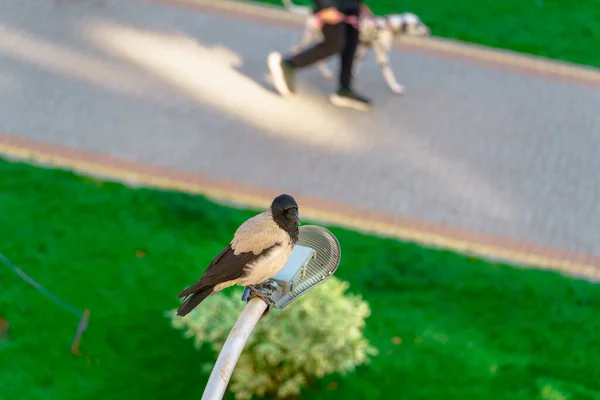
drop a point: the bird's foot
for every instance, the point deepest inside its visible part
(263, 297)
(268, 285)
(260, 295)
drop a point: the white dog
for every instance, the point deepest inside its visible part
(376, 32)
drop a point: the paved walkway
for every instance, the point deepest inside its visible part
(469, 146)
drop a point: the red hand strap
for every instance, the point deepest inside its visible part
(349, 19)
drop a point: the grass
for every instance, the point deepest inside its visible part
(559, 29)
(448, 326)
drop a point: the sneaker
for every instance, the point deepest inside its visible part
(283, 75)
(349, 99)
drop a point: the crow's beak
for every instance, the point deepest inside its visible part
(294, 216)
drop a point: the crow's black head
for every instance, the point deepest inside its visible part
(285, 214)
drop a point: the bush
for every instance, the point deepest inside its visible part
(320, 333)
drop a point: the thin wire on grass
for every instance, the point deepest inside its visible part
(83, 316)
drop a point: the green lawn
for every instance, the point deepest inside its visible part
(567, 30)
(447, 326)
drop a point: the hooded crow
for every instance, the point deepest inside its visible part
(260, 248)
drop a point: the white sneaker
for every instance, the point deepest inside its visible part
(282, 75)
(350, 99)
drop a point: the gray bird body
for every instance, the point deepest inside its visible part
(260, 248)
(256, 235)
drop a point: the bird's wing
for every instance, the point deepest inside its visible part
(255, 238)
(225, 267)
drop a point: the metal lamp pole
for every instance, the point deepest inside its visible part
(314, 259)
(230, 353)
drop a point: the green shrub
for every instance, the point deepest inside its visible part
(320, 333)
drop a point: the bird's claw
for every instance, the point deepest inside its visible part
(263, 297)
(268, 285)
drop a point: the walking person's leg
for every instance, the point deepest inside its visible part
(346, 96)
(351, 36)
(282, 69)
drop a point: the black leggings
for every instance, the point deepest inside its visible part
(340, 38)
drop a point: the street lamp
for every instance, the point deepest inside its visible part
(314, 258)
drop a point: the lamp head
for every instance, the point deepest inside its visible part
(314, 258)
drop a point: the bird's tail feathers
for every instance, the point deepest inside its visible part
(196, 287)
(193, 300)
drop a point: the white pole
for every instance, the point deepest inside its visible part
(230, 353)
